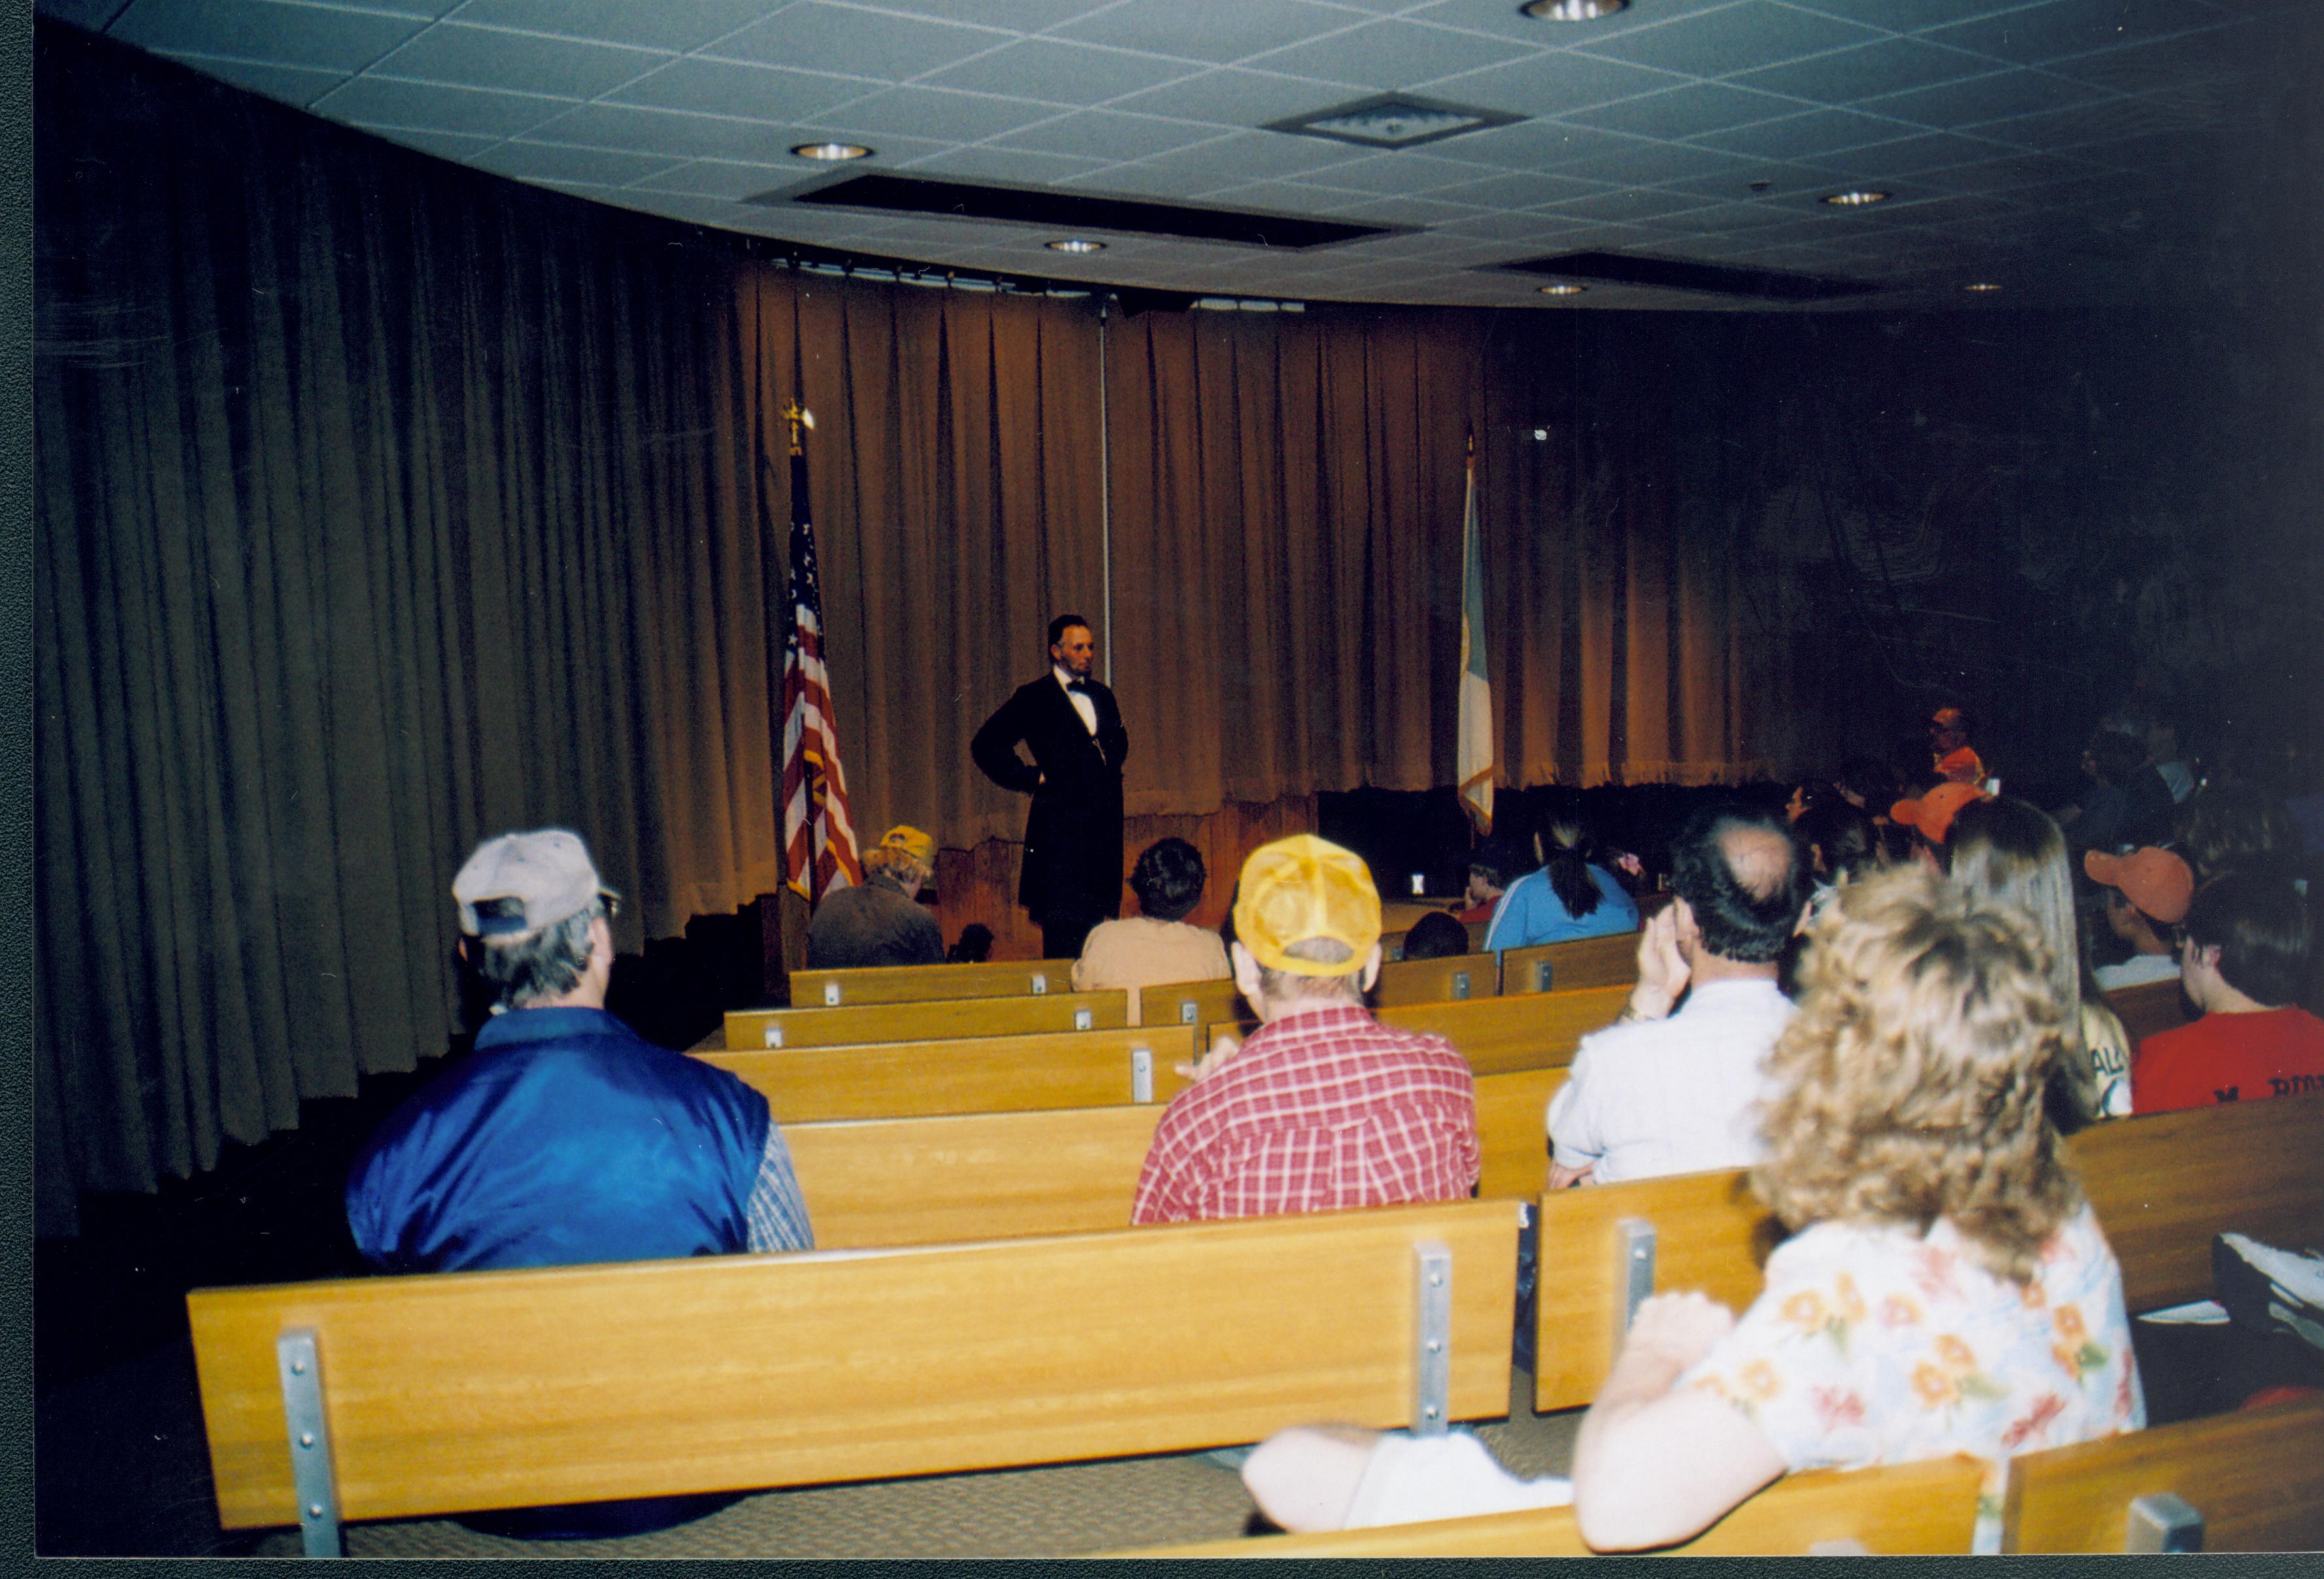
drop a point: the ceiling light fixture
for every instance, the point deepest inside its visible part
(1982, 285)
(1563, 290)
(1855, 199)
(832, 152)
(1075, 244)
(1572, 10)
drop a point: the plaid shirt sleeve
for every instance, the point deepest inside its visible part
(776, 1210)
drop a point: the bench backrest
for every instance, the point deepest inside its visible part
(998, 1074)
(2255, 1477)
(492, 1390)
(2161, 1186)
(919, 983)
(2149, 1007)
(1437, 981)
(1930, 1506)
(1611, 961)
(871, 1182)
(1534, 1032)
(1195, 1003)
(748, 1029)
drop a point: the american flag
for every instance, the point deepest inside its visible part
(818, 837)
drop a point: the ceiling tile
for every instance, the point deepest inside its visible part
(1060, 72)
(1513, 227)
(733, 89)
(1252, 155)
(2104, 120)
(1738, 38)
(1631, 203)
(814, 36)
(1743, 219)
(1385, 173)
(1229, 96)
(1979, 99)
(1684, 112)
(1998, 175)
(1278, 197)
(1542, 145)
(2045, 32)
(453, 145)
(294, 84)
(1111, 135)
(673, 133)
(727, 179)
(1909, 156)
(541, 161)
(1805, 136)
(1652, 163)
(89, 16)
(377, 101)
(1392, 53)
(1013, 167)
(1865, 71)
(1022, 17)
(1226, 33)
(1906, 15)
(485, 57)
(1521, 189)
(664, 24)
(938, 114)
(1140, 179)
(317, 37)
(1781, 179)
(1552, 85)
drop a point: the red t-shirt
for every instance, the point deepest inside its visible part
(2228, 1057)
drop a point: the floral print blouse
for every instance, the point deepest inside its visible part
(1877, 1344)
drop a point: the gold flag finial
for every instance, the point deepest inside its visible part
(798, 417)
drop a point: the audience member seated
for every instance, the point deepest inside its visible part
(2010, 854)
(1840, 846)
(974, 946)
(2237, 827)
(1948, 1288)
(1930, 817)
(1436, 936)
(2126, 802)
(1493, 865)
(2243, 957)
(565, 1137)
(1156, 945)
(1658, 1092)
(880, 920)
(1571, 896)
(1323, 1108)
(1807, 794)
(2163, 754)
(2146, 896)
(1951, 757)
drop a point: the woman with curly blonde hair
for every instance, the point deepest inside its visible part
(1946, 1289)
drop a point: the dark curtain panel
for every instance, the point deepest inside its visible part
(381, 507)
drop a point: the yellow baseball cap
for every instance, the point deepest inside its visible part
(1299, 889)
(918, 847)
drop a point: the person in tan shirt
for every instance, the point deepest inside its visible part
(1157, 945)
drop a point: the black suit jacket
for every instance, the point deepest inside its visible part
(1073, 834)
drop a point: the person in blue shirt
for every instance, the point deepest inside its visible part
(1571, 896)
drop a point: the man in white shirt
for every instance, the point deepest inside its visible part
(1661, 1092)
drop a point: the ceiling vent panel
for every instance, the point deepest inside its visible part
(1392, 120)
(1074, 212)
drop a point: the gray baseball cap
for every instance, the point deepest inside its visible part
(521, 883)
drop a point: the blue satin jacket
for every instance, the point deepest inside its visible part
(565, 1137)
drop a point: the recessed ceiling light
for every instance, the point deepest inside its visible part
(1572, 10)
(1075, 244)
(1563, 290)
(832, 152)
(1982, 285)
(1855, 199)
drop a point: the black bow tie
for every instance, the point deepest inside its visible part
(1079, 686)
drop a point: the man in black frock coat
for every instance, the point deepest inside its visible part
(1071, 877)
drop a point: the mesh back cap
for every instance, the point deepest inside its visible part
(1300, 889)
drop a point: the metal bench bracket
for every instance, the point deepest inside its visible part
(1141, 1074)
(1187, 1008)
(1541, 974)
(830, 994)
(1082, 1021)
(301, 1368)
(774, 1036)
(2164, 1521)
(1040, 983)
(1634, 1240)
(1460, 984)
(1431, 1368)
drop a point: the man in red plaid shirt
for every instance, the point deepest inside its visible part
(1323, 1108)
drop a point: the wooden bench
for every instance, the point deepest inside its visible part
(2149, 1007)
(926, 1021)
(1195, 1003)
(874, 1182)
(1437, 981)
(392, 1397)
(919, 983)
(1392, 943)
(1611, 961)
(1539, 1030)
(998, 1074)
(1930, 1506)
(2161, 1185)
(2250, 1481)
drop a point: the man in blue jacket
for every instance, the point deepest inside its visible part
(566, 1137)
